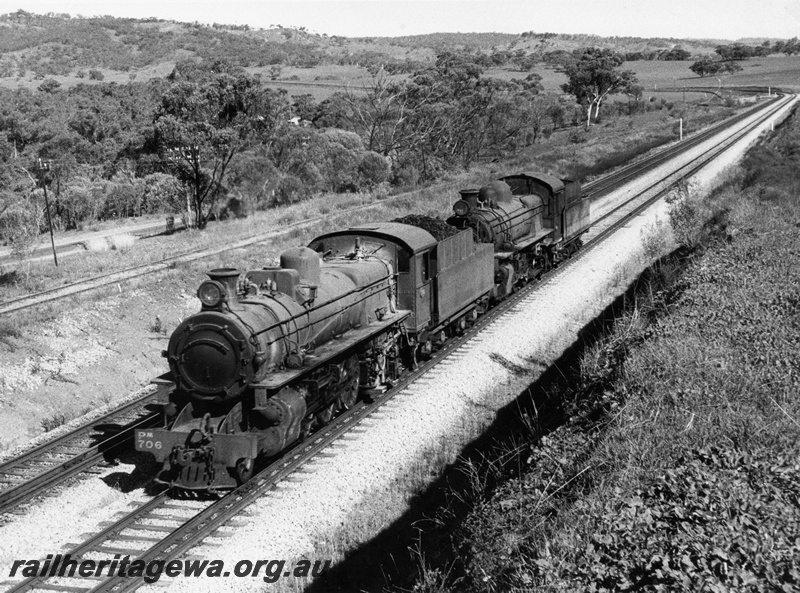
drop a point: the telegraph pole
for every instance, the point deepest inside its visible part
(43, 167)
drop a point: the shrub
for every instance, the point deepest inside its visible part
(290, 190)
(21, 225)
(654, 241)
(121, 242)
(53, 422)
(81, 202)
(123, 200)
(10, 329)
(405, 176)
(97, 244)
(50, 85)
(685, 217)
(373, 169)
(163, 193)
(236, 207)
(577, 135)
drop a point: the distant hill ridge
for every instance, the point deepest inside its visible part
(39, 46)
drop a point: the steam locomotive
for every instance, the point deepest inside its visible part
(275, 353)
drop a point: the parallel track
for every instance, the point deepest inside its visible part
(609, 222)
(623, 175)
(34, 472)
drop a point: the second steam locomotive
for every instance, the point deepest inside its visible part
(276, 352)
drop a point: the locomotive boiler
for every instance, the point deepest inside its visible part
(534, 220)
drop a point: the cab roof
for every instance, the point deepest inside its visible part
(412, 238)
(554, 183)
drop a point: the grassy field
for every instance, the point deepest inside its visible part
(655, 77)
(324, 80)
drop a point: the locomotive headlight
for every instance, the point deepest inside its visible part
(211, 293)
(461, 208)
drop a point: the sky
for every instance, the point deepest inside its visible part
(716, 19)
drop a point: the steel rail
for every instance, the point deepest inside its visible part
(35, 471)
(691, 167)
(608, 183)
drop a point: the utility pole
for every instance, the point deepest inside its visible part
(43, 167)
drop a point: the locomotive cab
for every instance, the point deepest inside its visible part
(438, 281)
(409, 249)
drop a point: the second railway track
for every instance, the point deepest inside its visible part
(31, 474)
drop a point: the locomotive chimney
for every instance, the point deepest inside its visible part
(470, 196)
(229, 278)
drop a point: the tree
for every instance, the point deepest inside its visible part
(731, 67)
(593, 75)
(677, 53)
(207, 116)
(706, 67)
(737, 51)
(788, 47)
(379, 115)
(709, 67)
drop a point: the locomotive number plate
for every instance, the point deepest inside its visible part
(146, 440)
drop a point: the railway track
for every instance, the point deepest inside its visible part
(625, 174)
(608, 222)
(164, 528)
(36, 471)
(595, 189)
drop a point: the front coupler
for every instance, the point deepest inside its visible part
(199, 452)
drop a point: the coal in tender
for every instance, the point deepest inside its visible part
(439, 229)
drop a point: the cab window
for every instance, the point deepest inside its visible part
(402, 261)
(424, 267)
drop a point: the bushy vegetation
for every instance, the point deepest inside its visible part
(212, 140)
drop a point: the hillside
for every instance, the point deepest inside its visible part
(33, 47)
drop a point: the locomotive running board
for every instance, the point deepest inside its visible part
(543, 234)
(320, 356)
(323, 354)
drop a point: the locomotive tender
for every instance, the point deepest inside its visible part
(276, 352)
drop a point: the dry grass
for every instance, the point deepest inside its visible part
(97, 245)
(121, 242)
